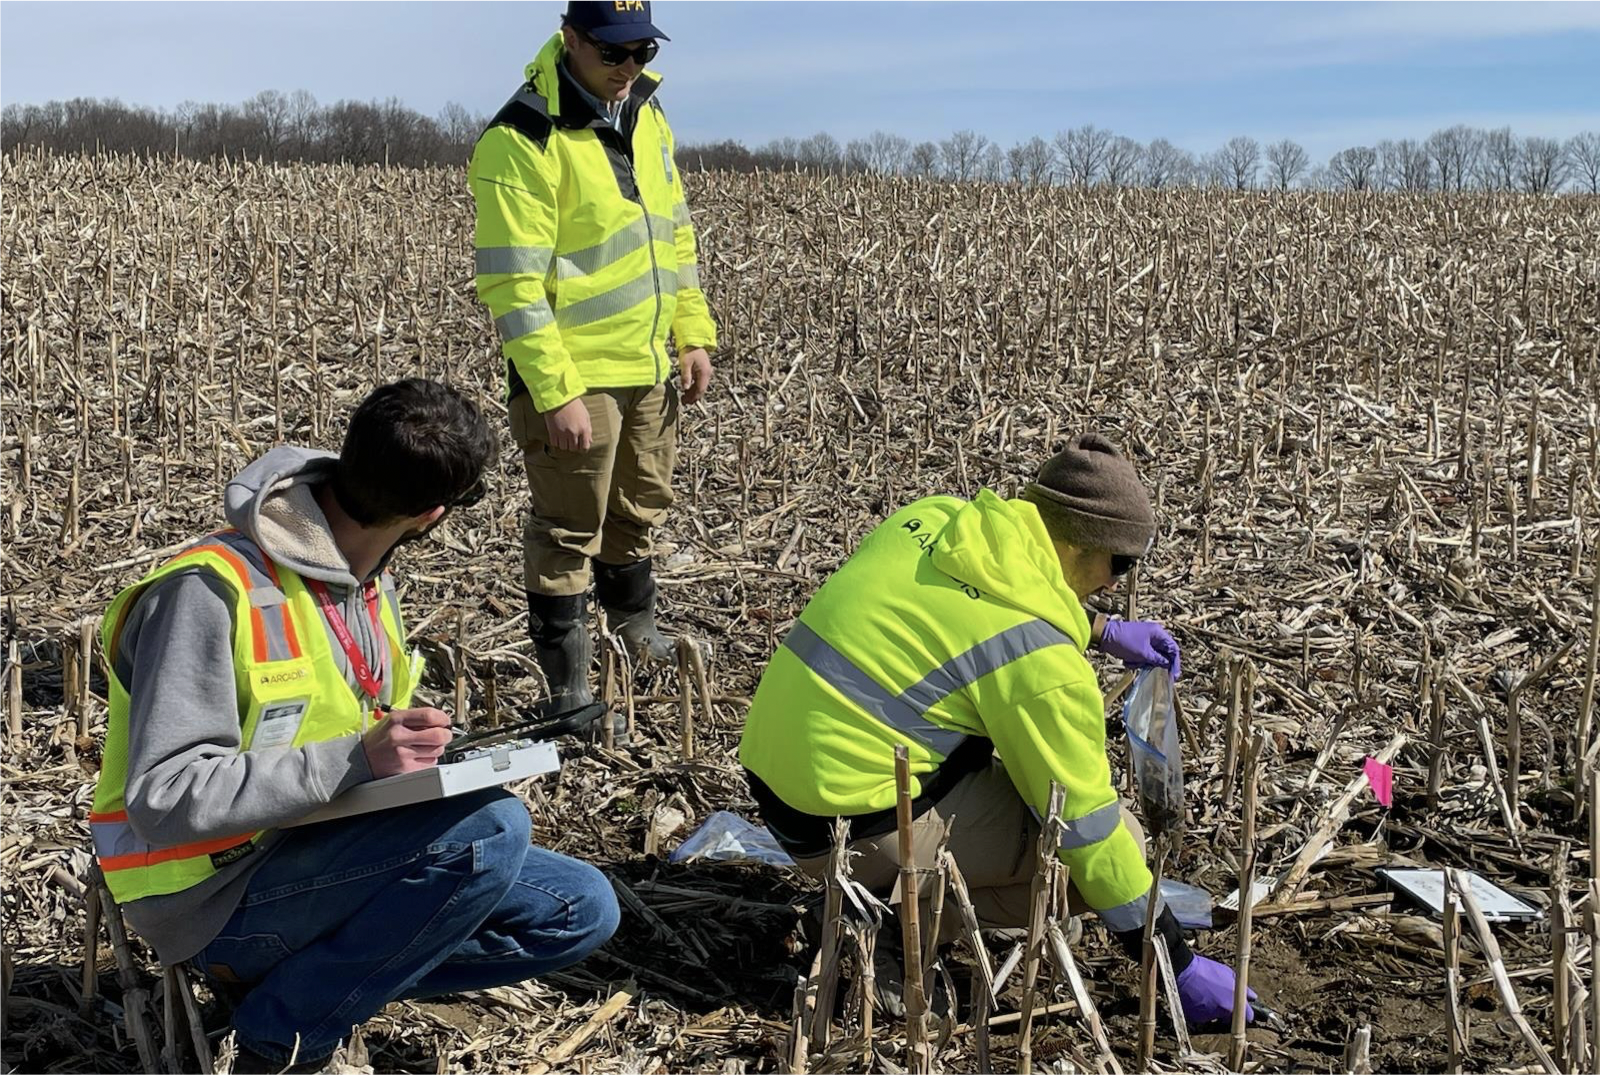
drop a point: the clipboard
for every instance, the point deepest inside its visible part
(489, 768)
(478, 760)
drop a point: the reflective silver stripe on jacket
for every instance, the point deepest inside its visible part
(264, 594)
(636, 236)
(905, 712)
(1129, 915)
(261, 591)
(680, 215)
(1091, 828)
(532, 260)
(592, 259)
(858, 686)
(115, 839)
(615, 301)
(523, 320)
(661, 228)
(688, 276)
(974, 663)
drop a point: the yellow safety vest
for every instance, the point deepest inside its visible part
(586, 256)
(286, 673)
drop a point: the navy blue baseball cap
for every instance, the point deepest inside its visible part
(614, 21)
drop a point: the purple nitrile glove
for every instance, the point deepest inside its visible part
(1141, 642)
(1206, 989)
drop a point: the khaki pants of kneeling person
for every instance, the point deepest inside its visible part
(601, 503)
(994, 841)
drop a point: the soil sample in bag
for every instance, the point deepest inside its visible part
(1151, 719)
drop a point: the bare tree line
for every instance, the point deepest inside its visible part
(270, 126)
(1451, 159)
(295, 127)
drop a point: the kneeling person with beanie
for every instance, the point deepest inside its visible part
(958, 630)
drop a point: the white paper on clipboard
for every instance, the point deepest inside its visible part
(495, 766)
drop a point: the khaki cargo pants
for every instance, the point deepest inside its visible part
(994, 841)
(601, 503)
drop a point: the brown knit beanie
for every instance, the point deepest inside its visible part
(1089, 496)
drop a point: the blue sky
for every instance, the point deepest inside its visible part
(1328, 75)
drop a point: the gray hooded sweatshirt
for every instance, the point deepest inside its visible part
(187, 778)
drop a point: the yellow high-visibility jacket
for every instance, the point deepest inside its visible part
(585, 254)
(952, 620)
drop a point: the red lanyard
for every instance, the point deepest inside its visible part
(371, 686)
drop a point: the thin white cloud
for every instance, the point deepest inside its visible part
(1138, 45)
(1438, 21)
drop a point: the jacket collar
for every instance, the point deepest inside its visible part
(564, 104)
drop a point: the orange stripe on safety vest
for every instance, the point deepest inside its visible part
(258, 627)
(289, 635)
(108, 816)
(178, 851)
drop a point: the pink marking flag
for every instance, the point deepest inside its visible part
(1381, 778)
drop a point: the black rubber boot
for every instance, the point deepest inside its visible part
(559, 625)
(627, 592)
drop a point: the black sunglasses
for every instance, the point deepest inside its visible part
(613, 55)
(471, 495)
(1122, 563)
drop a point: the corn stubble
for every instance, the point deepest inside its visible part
(1370, 426)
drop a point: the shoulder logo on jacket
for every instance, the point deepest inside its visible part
(926, 542)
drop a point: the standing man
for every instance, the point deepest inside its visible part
(256, 676)
(586, 259)
(958, 629)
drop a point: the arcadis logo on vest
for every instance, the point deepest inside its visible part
(285, 676)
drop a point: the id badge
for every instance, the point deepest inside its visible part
(666, 161)
(279, 723)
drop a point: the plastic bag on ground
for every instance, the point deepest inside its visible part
(727, 838)
(1151, 720)
(1190, 904)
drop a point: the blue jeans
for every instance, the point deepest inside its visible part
(436, 898)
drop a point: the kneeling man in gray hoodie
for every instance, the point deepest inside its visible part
(263, 671)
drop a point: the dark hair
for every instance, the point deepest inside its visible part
(411, 446)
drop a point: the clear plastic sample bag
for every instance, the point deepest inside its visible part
(1151, 720)
(726, 837)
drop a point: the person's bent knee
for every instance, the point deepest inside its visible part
(508, 821)
(593, 915)
(499, 830)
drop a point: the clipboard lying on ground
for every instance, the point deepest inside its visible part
(478, 760)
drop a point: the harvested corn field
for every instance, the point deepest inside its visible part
(1369, 423)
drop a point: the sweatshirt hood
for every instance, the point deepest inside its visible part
(273, 503)
(1001, 547)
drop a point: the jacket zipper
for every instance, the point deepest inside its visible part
(655, 276)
